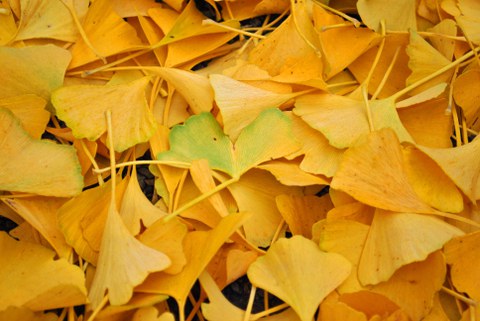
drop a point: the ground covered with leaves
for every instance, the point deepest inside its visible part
(239, 160)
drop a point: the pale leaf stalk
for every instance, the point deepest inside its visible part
(367, 108)
(265, 313)
(202, 197)
(84, 36)
(99, 308)
(387, 74)
(437, 73)
(427, 34)
(355, 22)
(208, 22)
(317, 51)
(144, 162)
(248, 310)
(460, 297)
(377, 56)
(93, 161)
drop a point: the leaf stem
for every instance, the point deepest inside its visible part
(460, 297)
(200, 198)
(437, 73)
(143, 162)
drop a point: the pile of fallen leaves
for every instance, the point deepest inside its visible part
(327, 152)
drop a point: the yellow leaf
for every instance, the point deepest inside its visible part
(373, 173)
(344, 120)
(341, 46)
(285, 54)
(19, 314)
(131, 260)
(35, 166)
(430, 183)
(414, 286)
(195, 88)
(299, 273)
(23, 72)
(255, 192)
(397, 239)
(30, 110)
(83, 107)
(167, 237)
(461, 165)
(40, 212)
(108, 33)
(240, 103)
(466, 92)
(424, 61)
(427, 123)
(32, 279)
(461, 255)
(320, 157)
(301, 212)
(398, 15)
(49, 19)
(199, 248)
(82, 219)
(136, 209)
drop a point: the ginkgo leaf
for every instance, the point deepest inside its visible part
(167, 237)
(30, 110)
(199, 247)
(320, 157)
(466, 92)
(31, 278)
(341, 46)
(461, 165)
(392, 59)
(413, 287)
(301, 212)
(218, 306)
(136, 209)
(194, 88)
(347, 238)
(430, 183)
(83, 108)
(49, 19)
(285, 53)
(290, 173)
(107, 32)
(468, 20)
(428, 123)
(131, 260)
(241, 103)
(35, 166)
(25, 71)
(256, 192)
(397, 239)
(40, 212)
(425, 60)
(151, 314)
(446, 27)
(299, 273)
(202, 177)
(17, 313)
(82, 219)
(460, 254)
(344, 120)
(373, 173)
(398, 16)
(201, 137)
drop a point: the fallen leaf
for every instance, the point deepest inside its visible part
(83, 108)
(41, 167)
(299, 273)
(31, 278)
(202, 137)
